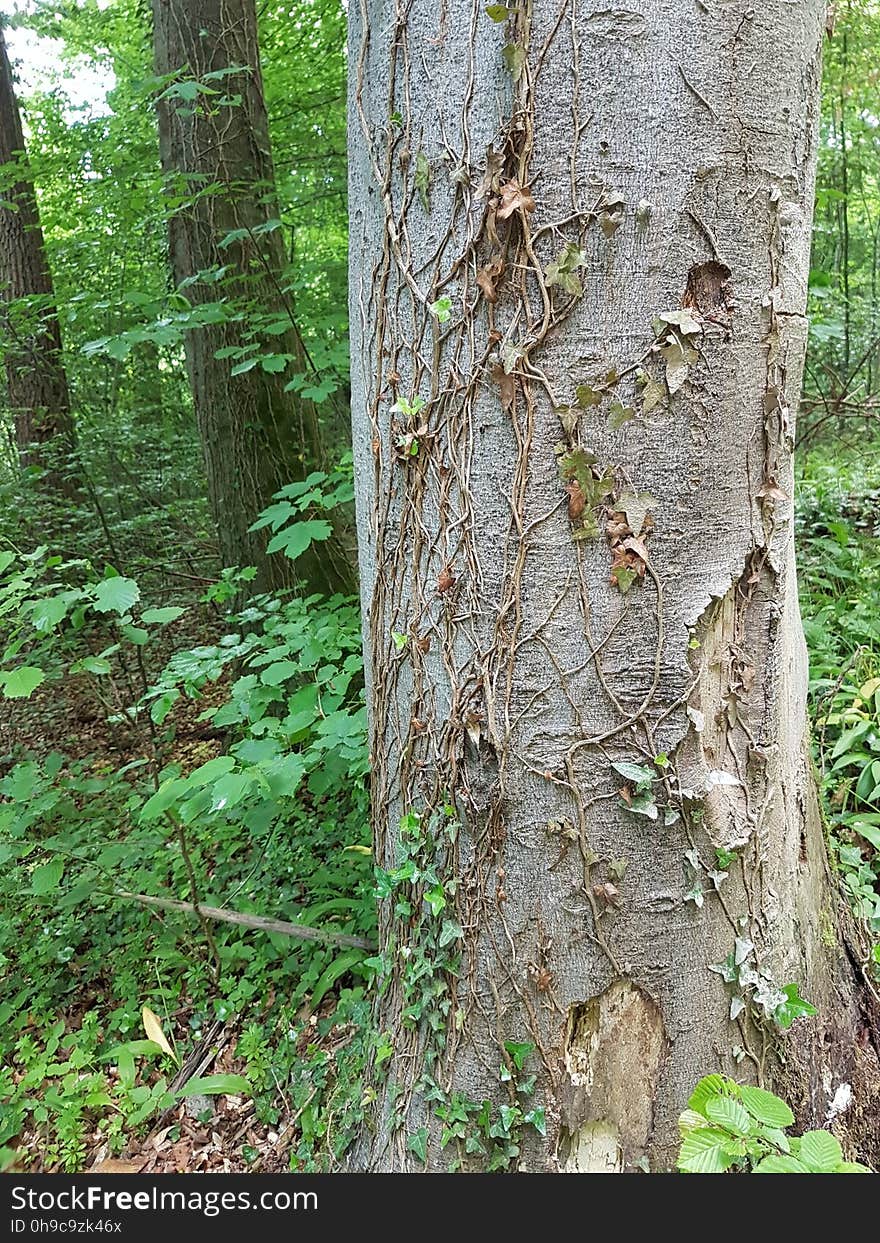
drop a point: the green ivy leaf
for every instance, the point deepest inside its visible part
(418, 1144)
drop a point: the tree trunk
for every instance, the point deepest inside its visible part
(256, 437)
(586, 673)
(36, 382)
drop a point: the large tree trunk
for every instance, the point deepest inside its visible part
(256, 437)
(36, 382)
(590, 555)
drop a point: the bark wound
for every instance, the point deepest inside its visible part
(708, 287)
(615, 1046)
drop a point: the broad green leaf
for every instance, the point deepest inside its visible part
(116, 595)
(709, 1086)
(295, 539)
(20, 683)
(705, 1152)
(729, 1113)
(165, 797)
(161, 617)
(766, 1108)
(216, 1085)
(91, 664)
(47, 877)
(820, 1152)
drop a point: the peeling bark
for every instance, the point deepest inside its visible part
(590, 555)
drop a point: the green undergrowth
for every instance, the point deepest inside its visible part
(839, 571)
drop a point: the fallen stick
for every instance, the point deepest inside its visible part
(261, 923)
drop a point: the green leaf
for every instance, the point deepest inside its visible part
(279, 672)
(295, 539)
(418, 1144)
(328, 977)
(635, 773)
(46, 614)
(705, 1151)
(498, 12)
(514, 56)
(780, 1165)
(20, 683)
(766, 1108)
(161, 616)
(116, 595)
(451, 931)
(820, 1152)
(728, 1113)
(792, 1008)
(47, 877)
(91, 664)
(519, 1052)
(216, 1085)
(709, 1086)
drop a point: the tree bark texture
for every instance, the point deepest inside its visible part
(36, 381)
(580, 242)
(256, 437)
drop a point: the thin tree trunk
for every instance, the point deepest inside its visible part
(255, 435)
(36, 382)
(580, 245)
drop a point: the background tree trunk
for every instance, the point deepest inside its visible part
(35, 378)
(585, 534)
(256, 437)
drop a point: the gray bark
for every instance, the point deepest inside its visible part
(672, 149)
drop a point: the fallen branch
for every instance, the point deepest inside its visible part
(260, 922)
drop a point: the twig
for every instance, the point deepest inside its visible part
(261, 923)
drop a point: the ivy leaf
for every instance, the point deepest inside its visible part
(519, 1052)
(588, 396)
(418, 1141)
(116, 595)
(514, 57)
(641, 777)
(498, 12)
(451, 931)
(423, 181)
(619, 414)
(792, 1008)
